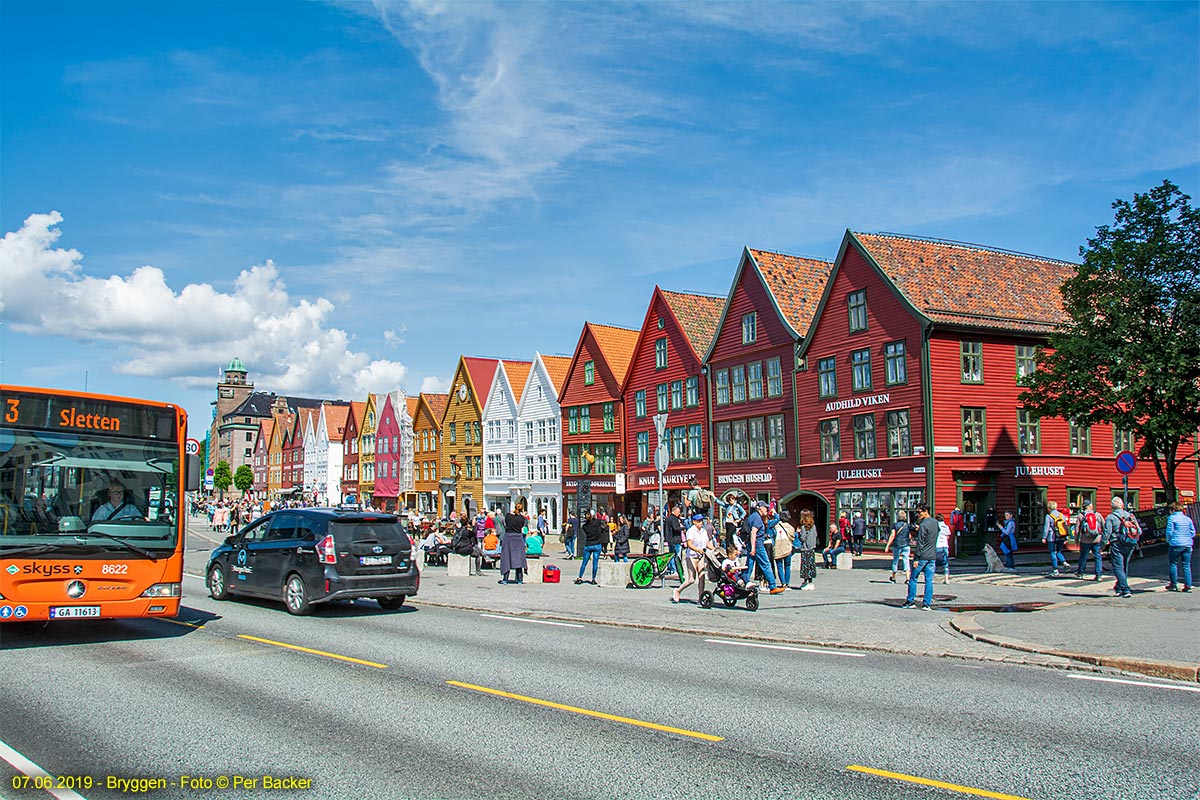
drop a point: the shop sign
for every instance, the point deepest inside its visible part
(945, 448)
(919, 470)
(739, 478)
(1023, 472)
(619, 483)
(858, 474)
(858, 402)
(677, 479)
(573, 484)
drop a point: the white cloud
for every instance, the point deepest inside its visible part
(435, 385)
(167, 334)
(395, 338)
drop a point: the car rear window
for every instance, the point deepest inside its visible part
(359, 530)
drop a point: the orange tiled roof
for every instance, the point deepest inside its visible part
(797, 284)
(411, 403)
(482, 372)
(267, 428)
(437, 405)
(518, 373)
(358, 411)
(698, 316)
(617, 346)
(558, 367)
(967, 284)
(335, 421)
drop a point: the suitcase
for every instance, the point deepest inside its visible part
(551, 574)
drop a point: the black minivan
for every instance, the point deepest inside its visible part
(306, 556)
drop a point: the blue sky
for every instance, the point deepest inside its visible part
(349, 195)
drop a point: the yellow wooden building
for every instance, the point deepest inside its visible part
(461, 485)
(366, 451)
(427, 448)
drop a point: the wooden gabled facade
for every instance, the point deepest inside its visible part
(366, 449)
(350, 439)
(462, 434)
(427, 444)
(262, 457)
(504, 481)
(387, 452)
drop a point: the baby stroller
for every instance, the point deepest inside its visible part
(729, 588)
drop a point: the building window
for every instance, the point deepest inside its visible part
(553, 466)
(758, 439)
(750, 328)
(529, 469)
(724, 442)
(529, 432)
(453, 433)
(831, 440)
(692, 385)
(1078, 498)
(737, 381)
(543, 469)
(860, 370)
(857, 303)
(878, 508)
(754, 380)
(827, 377)
(610, 423)
(639, 403)
(972, 361)
(606, 459)
(1031, 513)
(864, 436)
(776, 441)
(774, 378)
(741, 445)
(573, 459)
(695, 449)
(722, 381)
(1123, 440)
(1026, 362)
(1081, 439)
(585, 419)
(643, 447)
(660, 353)
(541, 431)
(899, 441)
(974, 431)
(552, 424)
(893, 358)
(572, 420)
(676, 395)
(1029, 432)
(679, 443)
(589, 373)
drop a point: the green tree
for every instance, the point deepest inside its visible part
(243, 479)
(1129, 352)
(222, 477)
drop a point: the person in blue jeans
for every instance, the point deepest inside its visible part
(1008, 540)
(1089, 531)
(925, 560)
(1181, 535)
(595, 532)
(757, 552)
(1119, 548)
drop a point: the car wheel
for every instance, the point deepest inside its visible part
(218, 588)
(295, 595)
(391, 603)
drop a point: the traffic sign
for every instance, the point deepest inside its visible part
(192, 447)
(1126, 463)
(660, 424)
(662, 457)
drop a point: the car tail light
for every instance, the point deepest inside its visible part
(326, 550)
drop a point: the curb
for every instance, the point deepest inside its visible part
(968, 625)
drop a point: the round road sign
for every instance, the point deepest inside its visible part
(191, 447)
(1126, 462)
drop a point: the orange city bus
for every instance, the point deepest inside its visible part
(91, 505)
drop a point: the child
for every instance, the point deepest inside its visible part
(730, 566)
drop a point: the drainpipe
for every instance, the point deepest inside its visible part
(927, 415)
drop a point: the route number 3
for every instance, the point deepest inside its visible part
(13, 411)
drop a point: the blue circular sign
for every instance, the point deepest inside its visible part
(1126, 462)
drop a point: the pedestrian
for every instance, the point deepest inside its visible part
(512, 545)
(734, 514)
(696, 543)
(1008, 540)
(899, 538)
(756, 552)
(1121, 534)
(595, 533)
(568, 537)
(925, 560)
(1181, 536)
(784, 547)
(621, 540)
(943, 548)
(673, 534)
(858, 532)
(836, 547)
(805, 541)
(649, 525)
(1054, 534)
(1089, 530)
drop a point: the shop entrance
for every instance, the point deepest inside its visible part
(979, 511)
(818, 506)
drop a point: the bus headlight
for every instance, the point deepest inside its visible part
(163, 590)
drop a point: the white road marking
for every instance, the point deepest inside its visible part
(34, 771)
(197, 577)
(1137, 683)
(538, 621)
(785, 647)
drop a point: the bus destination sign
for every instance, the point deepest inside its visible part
(85, 415)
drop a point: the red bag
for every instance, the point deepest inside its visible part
(551, 574)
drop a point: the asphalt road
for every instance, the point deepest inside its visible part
(159, 700)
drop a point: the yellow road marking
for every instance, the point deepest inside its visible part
(954, 787)
(708, 737)
(313, 652)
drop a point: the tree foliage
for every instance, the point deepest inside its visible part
(1129, 352)
(243, 479)
(222, 477)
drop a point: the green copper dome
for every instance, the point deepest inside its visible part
(236, 366)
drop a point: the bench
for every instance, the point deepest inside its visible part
(845, 561)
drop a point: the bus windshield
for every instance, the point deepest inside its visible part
(110, 492)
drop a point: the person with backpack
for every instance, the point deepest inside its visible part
(901, 538)
(1181, 535)
(781, 551)
(1122, 534)
(1090, 532)
(1054, 536)
(734, 514)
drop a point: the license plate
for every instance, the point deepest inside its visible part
(374, 561)
(66, 612)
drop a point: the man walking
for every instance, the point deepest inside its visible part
(925, 560)
(1054, 535)
(1089, 532)
(1121, 533)
(674, 535)
(757, 548)
(858, 532)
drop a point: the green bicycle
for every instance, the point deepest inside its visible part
(644, 570)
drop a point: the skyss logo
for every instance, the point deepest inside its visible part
(47, 570)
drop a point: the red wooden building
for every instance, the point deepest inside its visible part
(912, 372)
(592, 416)
(261, 463)
(387, 453)
(750, 366)
(350, 449)
(665, 376)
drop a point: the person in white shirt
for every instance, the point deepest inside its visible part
(943, 548)
(695, 542)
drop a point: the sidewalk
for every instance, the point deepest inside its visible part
(1078, 626)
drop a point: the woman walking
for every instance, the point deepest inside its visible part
(695, 542)
(512, 545)
(805, 542)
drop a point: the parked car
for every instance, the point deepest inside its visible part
(313, 555)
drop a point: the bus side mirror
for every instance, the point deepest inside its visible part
(192, 465)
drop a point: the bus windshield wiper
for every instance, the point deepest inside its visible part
(132, 547)
(38, 549)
